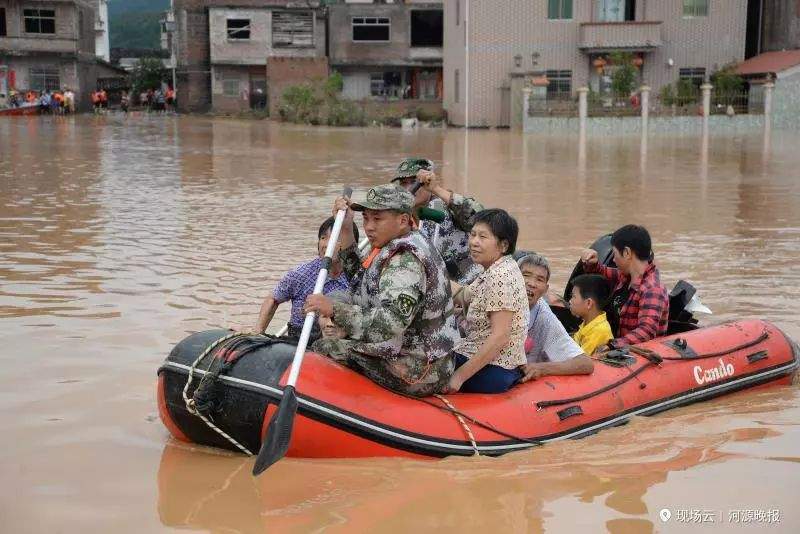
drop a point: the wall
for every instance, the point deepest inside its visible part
(786, 100)
(610, 126)
(396, 51)
(66, 38)
(283, 72)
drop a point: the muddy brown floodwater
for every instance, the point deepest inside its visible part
(118, 236)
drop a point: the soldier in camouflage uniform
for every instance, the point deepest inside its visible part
(451, 236)
(399, 322)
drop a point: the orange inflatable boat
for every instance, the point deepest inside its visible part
(236, 387)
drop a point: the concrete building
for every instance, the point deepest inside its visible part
(224, 50)
(50, 44)
(493, 46)
(780, 25)
(388, 51)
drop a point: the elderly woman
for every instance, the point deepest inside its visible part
(549, 348)
(489, 359)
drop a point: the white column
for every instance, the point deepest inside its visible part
(645, 92)
(526, 105)
(706, 89)
(768, 87)
(583, 106)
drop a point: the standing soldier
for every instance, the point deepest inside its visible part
(451, 236)
(398, 321)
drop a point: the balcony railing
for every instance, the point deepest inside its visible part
(608, 36)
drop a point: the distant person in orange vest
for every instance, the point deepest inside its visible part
(103, 99)
(170, 99)
(95, 95)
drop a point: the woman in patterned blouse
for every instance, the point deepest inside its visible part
(487, 361)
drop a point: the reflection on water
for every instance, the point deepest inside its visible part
(118, 236)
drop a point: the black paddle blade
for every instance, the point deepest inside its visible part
(279, 432)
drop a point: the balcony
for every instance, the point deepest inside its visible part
(609, 36)
(21, 46)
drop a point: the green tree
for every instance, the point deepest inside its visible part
(726, 81)
(148, 73)
(623, 80)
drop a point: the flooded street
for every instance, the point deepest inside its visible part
(119, 236)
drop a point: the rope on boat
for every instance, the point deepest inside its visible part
(487, 426)
(653, 358)
(764, 335)
(190, 404)
(464, 424)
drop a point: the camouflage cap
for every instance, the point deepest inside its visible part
(386, 197)
(409, 167)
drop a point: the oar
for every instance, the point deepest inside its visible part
(279, 430)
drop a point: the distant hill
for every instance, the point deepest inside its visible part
(134, 23)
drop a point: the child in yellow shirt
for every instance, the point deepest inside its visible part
(590, 293)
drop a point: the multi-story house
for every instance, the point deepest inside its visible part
(490, 42)
(50, 44)
(236, 55)
(388, 50)
(779, 27)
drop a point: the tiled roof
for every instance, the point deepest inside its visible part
(769, 62)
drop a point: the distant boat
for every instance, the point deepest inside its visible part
(24, 109)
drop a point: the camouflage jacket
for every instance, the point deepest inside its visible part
(451, 236)
(402, 310)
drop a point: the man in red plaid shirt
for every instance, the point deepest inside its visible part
(643, 314)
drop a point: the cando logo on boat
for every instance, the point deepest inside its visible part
(704, 376)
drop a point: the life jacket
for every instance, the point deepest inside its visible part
(433, 332)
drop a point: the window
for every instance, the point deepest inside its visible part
(696, 75)
(695, 8)
(559, 9)
(560, 86)
(458, 11)
(456, 86)
(615, 10)
(238, 29)
(230, 87)
(2, 22)
(371, 28)
(39, 20)
(427, 27)
(44, 79)
(376, 84)
(292, 28)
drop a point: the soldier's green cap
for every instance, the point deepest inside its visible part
(386, 197)
(409, 167)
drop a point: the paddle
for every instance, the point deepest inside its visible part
(279, 430)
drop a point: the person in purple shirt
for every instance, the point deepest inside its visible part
(298, 284)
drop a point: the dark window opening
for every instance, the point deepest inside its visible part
(560, 86)
(2, 22)
(427, 27)
(238, 29)
(456, 86)
(39, 20)
(696, 75)
(616, 10)
(292, 29)
(371, 28)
